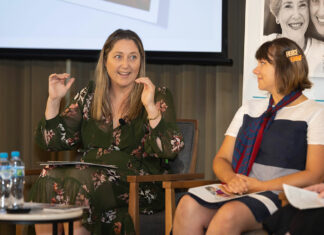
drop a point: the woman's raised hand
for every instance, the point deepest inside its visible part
(147, 94)
(57, 86)
(57, 89)
(153, 112)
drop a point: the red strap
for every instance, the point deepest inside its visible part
(257, 144)
(239, 162)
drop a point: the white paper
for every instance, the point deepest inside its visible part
(302, 198)
(212, 193)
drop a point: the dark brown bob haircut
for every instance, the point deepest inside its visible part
(291, 68)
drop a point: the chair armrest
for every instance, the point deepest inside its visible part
(282, 197)
(170, 205)
(33, 172)
(134, 180)
(165, 177)
(187, 183)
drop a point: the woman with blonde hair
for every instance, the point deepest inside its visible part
(120, 120)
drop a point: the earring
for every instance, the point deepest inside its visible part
(277, 21)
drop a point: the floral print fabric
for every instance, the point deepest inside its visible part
(129, 149)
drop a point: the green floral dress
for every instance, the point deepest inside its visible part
(130, 148)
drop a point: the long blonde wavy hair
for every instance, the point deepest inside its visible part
(101, 107)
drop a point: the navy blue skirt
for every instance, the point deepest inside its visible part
(262, 204)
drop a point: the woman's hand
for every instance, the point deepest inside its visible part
(319, 188)
(253, 184)
(58, 87)
(236, 185)
(148, 96)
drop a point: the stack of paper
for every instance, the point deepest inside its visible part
(301, 198)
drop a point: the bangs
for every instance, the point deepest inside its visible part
(265, 52)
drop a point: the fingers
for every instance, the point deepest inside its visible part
(147, 94)
(311, 188)
(224, 189)
(59, 77)
(237, 185)
(58, 85)
(227, 189)
(321, 194)
(69, 83)
(319, 188)
(62, 79)
(145, 81)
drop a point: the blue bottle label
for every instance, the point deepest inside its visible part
(18, 171)
(5, 172)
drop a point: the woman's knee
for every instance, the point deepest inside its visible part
(186, 207)
(235, 216)
(227, 214)
(232, 214)
(191, 217)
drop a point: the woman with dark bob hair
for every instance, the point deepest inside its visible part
(269, 142)
(120, 120)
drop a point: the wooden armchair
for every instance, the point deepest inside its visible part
(183, 166)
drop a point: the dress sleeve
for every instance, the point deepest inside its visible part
(236, 123)
(166, 130)
(63, 131)
(315, 130)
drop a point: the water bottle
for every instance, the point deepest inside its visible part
(5, 181)
(17, 180)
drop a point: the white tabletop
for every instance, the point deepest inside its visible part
(45, 214)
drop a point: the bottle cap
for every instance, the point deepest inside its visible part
(15, 154)
(4, 155)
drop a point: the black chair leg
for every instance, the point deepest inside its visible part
(71, 228)
(54, 228)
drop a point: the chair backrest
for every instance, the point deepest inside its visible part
(185, 162)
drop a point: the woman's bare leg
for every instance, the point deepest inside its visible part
(191, 217)
(78, 229)
(47, 229)
(232, 218)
